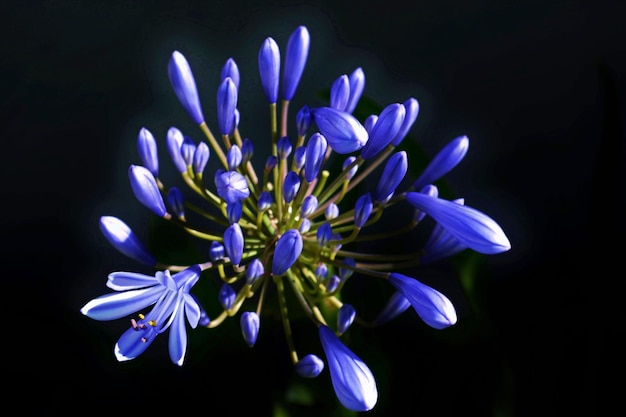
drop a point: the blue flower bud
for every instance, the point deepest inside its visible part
(247, 150)
(345, 317)
(250, 323)
(236, 118)
(147, 148)
(384, 131)
(441, 243)
(254, 271)
(309, 366)
(295, 60)
(291, 186)
(124, 240)
(231, 186)
(187, 149)
(362, 210)
(340, 93)
(284, 147)
(176, 202)
(411, 106)
(332, 211)
(299, 157)
(309, 205)
(343, 131)
(315, 153)
(288, 249)
(233, 243)
(265, 201)
(174, 142)
(321, 271)
(231, 70)
(269, 69)
(357, 84)
(303, 120)
(393, 174)
(145, 188)
(345, 273)
(226, 105)
(324, 234)
(234, 157)
(446, 159)
(305, 225)
(227, 296)
(216, 251)
(369, 123)
(201, 157)
(333, 283)
(432, 306)
(396, 305)
(234, 211)
(271, 162)
(470, 226)
(184, 86)
(352, 380)
(346, 163)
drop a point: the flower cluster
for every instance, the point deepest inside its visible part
(284, 227)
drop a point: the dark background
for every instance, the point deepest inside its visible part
(539, 88)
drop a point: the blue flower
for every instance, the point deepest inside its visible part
(352, 380)
(172, 303)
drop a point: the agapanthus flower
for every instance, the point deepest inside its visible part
(291, 226)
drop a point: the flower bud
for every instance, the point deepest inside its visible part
(174, 142)
(233, 243)
(357, 84)
(184, 86)
(384, 131)
(324, 234)
(393, 174)
(411, 106)
(176, 201)
(362, 210)
(269, 69)
(288, 249)
(303, 120)
(446, 159)
(309, 366)
(250, 323)
(345, 317)
(284, 147)
(124, 240)
(201, 157)
(247, 150)
(346, 163)
(299, 158)
(227, 296)
(231, 186)
(309, 205)
(265, 201)
(315, 153)
(187, 149)
(343, 131)
(295, 60)
(226, 105)
(441, 243)
(340, 93)
(254, 271)
(146, 190)
(231, 70)
(332, 211)
(291, 186)
(234, 211)
(216, 251)
(147, 148)
(234, 157)
(395, 306)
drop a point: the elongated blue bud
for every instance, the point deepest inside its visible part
(315, 153)
(346, 163)
(265, 201)
(184, 86)
(430, 190)
(333, 283)
(345, 317)
(369, 123)
(324, 234)
(384, 131)
(234, 211)
(332, 211)
(441, 243)
(201, 157)
(309, 366)
(269, 69)
(187, 149)
(124, 240)
(303, 120)
(284, 147)
(250, 323)
(145, 188)
(299, 157)
(174, 143)
(470, 226)
(343, 131)
(147, 148)
(231, 186)
(357, 84)
(176, 201)
(432, 306)
(271, 162)
(288, 249)
(353, 382)
(227, 296)
(233, 243)
(305, 225)
(291, 186)
(412, 108)
(340, 93)
(247, 150)
(396, 305)
(216, 251)
(321, 271)
(393, 174)
(295, 60)
(309, 205)
(226, 105)
(362, 210)
(234, 157)
(231, 70)
(446, 159)
(254, 271)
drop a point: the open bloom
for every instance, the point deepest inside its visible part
(289, 225)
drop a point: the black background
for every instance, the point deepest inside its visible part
(538, 86)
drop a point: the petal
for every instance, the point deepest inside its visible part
(470, 226)
(122, 281)
(117, 305)
(193, 312)
(133, 343)
(352, 380)
(177, 342)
